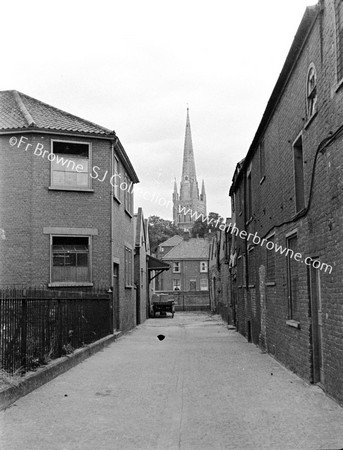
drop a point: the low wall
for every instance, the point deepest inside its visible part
(189, 300)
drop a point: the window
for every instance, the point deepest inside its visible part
(204, 284)
(299, 174)
(271, 262)
(116, 178)
(240, 200)
(339, 38)
(249, 196)
(251, 266)
(292, 275)
(311, 91)
(128, 267)
(176, 267)
(70, 259)
(240, 271)
(203, 266)
(262, 161)
(128, 198)
(70, 165)
(176, 285)
(244, 270)
(192, 285)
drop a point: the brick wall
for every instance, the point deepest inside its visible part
(262, 307)
(27, 206)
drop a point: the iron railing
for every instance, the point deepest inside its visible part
(38, 325)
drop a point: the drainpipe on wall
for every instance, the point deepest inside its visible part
(114, 307)
(246, 248)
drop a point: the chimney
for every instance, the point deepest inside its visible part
(186, 235)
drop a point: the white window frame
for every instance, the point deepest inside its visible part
(202, 287)
(128, 196)
(116, 179)
(75, 165)
(176, 284)
(202, 268)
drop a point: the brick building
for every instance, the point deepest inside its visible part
(188, 277)
(147, 268)
(66, 204)
(219, 274)
(288, 191)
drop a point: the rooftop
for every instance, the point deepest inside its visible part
(194, 248)
(20, 112)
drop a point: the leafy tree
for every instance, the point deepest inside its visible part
(204, 226)
(160, 230)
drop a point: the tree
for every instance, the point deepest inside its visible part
(160, 230)
(206, 225)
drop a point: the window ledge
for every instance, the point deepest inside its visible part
(299, 213)
(270, 283)
(73, 189)
(307, 124)
(293, 323)
(251, 286)
(70, 284)
(262, 179)
(128, 286)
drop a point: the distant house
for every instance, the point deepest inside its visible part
(66, 204)
(167, 245)
(188, 277)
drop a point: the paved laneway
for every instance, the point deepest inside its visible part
(202, 387)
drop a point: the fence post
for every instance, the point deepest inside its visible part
(23, 334)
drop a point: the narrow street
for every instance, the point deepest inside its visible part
(201, 387)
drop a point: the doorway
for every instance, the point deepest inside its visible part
(115, 287)
(317, 332)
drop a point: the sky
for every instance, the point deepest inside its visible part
(134, 67)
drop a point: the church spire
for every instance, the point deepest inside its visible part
(189, 200)
(188, 167)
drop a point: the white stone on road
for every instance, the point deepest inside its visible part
(201, 387)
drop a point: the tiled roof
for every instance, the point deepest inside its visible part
(195, 248)
(19, 111)
(171, 242)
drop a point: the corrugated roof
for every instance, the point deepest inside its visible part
(171, 242)
(195, 248)
(19, 111)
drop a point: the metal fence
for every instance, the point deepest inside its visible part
(38, 325)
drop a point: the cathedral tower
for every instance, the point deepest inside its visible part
(189, 204)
